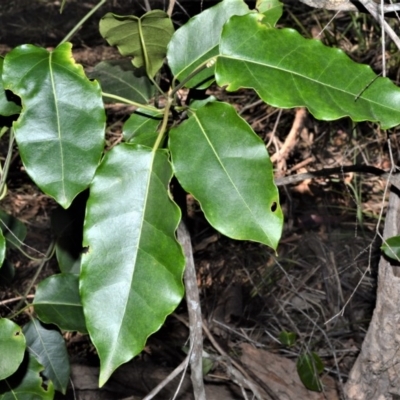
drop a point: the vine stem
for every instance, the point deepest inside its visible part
(164, 123)
(82, 21)
(49, 253)
(7, 162)
(131, 102)
(200, 68)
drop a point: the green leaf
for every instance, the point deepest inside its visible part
(309, 366)
(272, 9)
(144, 38)
(287, 338)
(391, 247)
(48, 347)
(287, 71)
(131, 276)
(218, 158)
(57, 301)
(13, 230)
(120, 78)
(141, 127)
(12, 347)
(7, 107)
(60, 132)
(67, 226)
(197, 41)
(26, 383)
(196, 104)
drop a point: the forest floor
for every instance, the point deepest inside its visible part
(320, 285)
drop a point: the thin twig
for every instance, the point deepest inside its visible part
(49, 253)
(171, 7)
(4, 302)
(363, 169)
(291, 141)
(239, 373)
(181, 367)
(147, 5)
(81, 22)
(194, 311)
(373, 9)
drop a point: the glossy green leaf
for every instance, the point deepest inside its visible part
(60, 132)
(391, 247)
(57, 301)
(12, 347)
(120, 78)
(144, 38)
(218, 158)
(272, 10)
(26, 383)
(141, 127)
(131, 276)
(196, 104)
(197, 41)
(48, 347)
(309, 367)
(7, 107)
(13, 230)
(287, 338)
(67, 226)
(287, 71)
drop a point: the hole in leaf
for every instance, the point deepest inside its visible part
(44, 382)
(274, 206)
(17, 333)
(85, 250)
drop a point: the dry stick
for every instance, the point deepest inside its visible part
(195, 325)
(147, 5)
(4, 302)
(194, 311)
(373, 9)
(370, 5)
(347, 5)
(290, 140)
(49, 253)
(239, 373)
(171, 7)
(181, 367)
(364, 169)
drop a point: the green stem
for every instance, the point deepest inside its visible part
(155, 84)
(170, 100)
(190, 76)
(7, 162)
(127, 101)
(82, 21)
(164, 124)
(62, 6)
(49, 253)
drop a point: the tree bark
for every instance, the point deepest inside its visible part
(376, 373)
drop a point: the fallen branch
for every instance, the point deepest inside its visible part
(326, 172)
(373, 7)
(195, 318)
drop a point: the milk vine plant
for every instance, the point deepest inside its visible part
(124, 277)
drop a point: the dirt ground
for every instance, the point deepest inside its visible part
(321, 283)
